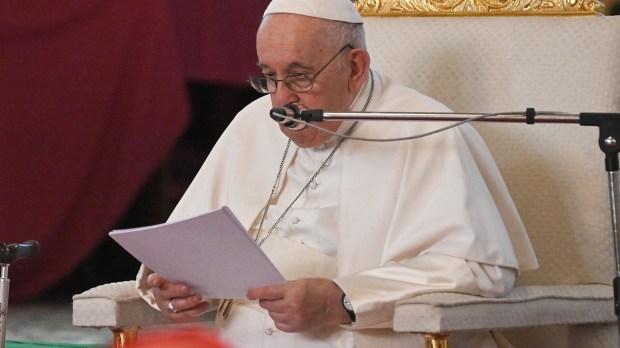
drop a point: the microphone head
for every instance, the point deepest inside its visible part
(29, 248)
(289, 110)
(10, 253)
(276, 112)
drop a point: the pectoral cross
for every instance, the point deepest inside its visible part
(224, 308)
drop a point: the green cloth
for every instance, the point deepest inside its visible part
(17, 344)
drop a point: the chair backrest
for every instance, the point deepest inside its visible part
(555, 173)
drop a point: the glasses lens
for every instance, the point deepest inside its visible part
(262, 84)
(298, 83)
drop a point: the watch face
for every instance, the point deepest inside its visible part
(347, 303)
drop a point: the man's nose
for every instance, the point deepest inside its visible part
(284, 95)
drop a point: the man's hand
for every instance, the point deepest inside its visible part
(185, 304)
(303, 304)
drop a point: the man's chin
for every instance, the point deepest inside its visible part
(307, 137)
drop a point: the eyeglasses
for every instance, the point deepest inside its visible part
(296, 82)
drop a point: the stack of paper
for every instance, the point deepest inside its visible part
(212, 253)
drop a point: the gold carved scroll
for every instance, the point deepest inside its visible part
(477, 7)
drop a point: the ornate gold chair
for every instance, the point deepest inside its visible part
(491, 56)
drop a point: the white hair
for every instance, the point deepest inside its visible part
(343, 33)
(339, 33)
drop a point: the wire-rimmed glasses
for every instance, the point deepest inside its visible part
(296, 82)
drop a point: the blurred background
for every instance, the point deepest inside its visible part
(107, 110)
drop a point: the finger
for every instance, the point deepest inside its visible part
(180, 304)
(278, 306)
(154, 280)
(277, 317)
(285, 326)
(281, 321)
(172, 290)
(188, 313)
(269, 292)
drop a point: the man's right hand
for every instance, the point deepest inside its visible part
(186, 305)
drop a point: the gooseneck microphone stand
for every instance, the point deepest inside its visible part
(609, 143)
(10, 253)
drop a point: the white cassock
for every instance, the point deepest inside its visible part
(385, 221)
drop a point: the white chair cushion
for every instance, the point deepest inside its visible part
(114, 305)
(525, 306)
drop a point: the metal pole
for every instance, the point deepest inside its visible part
(4, 301)
(10, 253)
(614, 194)
(505, 117)
(613, 202)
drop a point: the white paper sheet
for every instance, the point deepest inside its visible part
(212, 253)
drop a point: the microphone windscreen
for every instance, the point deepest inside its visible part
(290, 111)
(29, 248)
(276, 112)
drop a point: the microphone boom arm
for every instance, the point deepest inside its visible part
(530, 116)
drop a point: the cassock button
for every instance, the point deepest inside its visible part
(295, 220)
(269, 331)
(314, 185)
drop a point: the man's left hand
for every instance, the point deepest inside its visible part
(302, 304)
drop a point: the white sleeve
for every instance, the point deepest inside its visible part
(374, 292)
(143, 289)
(493, 281)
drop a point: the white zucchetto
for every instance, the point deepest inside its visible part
(335, 10)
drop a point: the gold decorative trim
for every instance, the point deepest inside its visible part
(404, 8)
(436, 340)
(123, 337)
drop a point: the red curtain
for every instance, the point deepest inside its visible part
(92, 98)
(217, 39)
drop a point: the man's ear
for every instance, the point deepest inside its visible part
(360, 64)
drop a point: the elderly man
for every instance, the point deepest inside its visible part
(354, 226)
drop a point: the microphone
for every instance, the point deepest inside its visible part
(288, 110)
(10, 253)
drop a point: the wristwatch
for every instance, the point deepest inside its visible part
(346, 303)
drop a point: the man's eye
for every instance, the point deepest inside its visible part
(297, 76)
